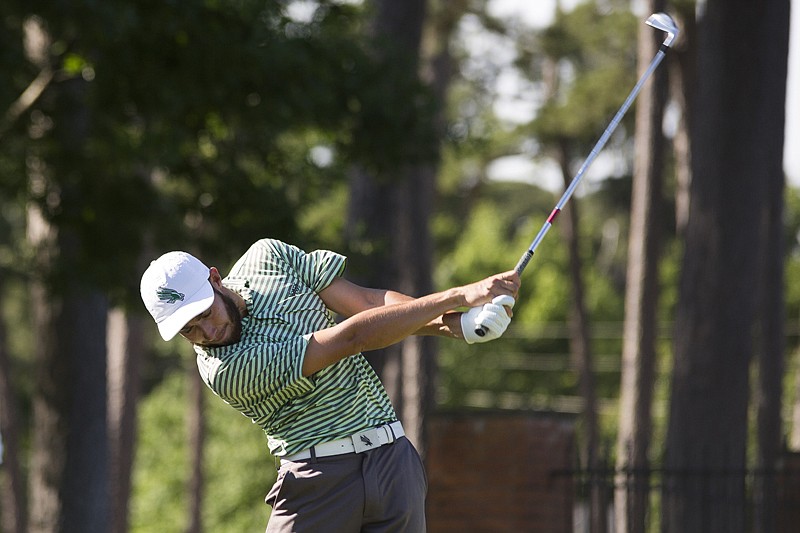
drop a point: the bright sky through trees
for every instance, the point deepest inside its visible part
(539, 14)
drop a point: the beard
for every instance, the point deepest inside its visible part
(234, 319)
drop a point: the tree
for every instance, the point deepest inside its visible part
(773, 43)
(125, 352)
(69, 473)
(560, 132)
(641, 297)
(733, 152)
(196, 429)
(204, 113)
(583, 360)
(12, 483)
(390, 207)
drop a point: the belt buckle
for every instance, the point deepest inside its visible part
(366, 440)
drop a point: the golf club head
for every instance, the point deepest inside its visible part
(663, 22)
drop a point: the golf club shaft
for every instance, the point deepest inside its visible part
(526, 257)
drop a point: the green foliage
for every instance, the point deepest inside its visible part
(596, 50)
(189, 125)
(579, 63)
(792, 248)
(323, 221)
(207, 124)
(237, 466)
(587, 108)
(160, 476)
(530, 366)
(17, 339)
(195, 125)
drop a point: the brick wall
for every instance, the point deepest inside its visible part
(494, 473)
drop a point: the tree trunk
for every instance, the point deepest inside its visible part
(794, 436)
(683, 80)
(641, 298)
(12, 491)
(581, 352)
(389, 216)
(370, 232)
(125, 350)
(773, 45)
(420, 363)
(196, 429)
(69, 476)
(69, 461)
(416, 246)
(50, 425)
(769, 395)
(716, 314)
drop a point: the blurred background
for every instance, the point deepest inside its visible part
(428, 141)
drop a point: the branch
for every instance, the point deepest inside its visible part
(28, 97)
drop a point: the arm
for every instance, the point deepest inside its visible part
(348, 299)
(379, 326)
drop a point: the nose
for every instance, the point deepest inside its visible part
(208, 330)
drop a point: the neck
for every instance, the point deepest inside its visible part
(240, 303)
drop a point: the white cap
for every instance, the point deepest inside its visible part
(175, 289)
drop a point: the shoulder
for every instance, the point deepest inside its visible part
(272, 246)
(263, 252)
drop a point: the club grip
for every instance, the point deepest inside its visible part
(523, 261)
(504, 300)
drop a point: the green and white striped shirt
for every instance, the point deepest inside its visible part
(261, 375)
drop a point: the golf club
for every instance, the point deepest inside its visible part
(659, 21)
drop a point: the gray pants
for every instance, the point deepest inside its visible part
(378, 491)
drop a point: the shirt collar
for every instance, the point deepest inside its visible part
(242, 288)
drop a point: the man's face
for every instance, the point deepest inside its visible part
(219, 325)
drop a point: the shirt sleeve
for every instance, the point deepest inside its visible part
(316, 269)
(324, 266)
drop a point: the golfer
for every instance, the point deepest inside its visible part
(268, 345)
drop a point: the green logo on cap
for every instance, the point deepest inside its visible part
(165, 294)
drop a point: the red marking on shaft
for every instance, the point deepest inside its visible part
(553, 215)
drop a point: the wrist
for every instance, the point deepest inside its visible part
(457, 297)
(452, 325)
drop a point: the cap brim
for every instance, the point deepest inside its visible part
(198, 303)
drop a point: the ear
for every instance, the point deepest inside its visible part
(214, 277)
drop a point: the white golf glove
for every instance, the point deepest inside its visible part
(492, 317)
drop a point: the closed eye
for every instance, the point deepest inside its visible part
(190, 326)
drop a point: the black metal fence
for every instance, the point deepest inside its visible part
(704, 500)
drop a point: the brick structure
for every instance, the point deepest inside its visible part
(499, 472)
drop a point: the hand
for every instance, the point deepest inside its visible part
(493, 318)
(482, 292)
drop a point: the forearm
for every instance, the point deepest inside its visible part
(378, 328)
(445, 325)
(383, 326)
(379, 318)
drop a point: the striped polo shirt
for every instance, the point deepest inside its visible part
(261, 375)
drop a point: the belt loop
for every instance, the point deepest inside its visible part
(313, 454)
(391, 430)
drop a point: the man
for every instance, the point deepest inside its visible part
(267, 344)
